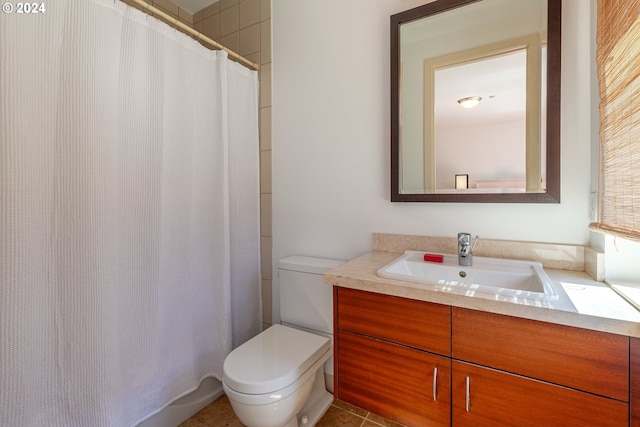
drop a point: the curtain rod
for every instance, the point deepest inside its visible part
(174, 21)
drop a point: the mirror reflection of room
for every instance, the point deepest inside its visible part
(493, 54)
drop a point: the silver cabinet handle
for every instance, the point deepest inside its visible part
(468, 403)
(435, 383)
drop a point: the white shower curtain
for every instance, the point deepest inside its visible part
(129, 239)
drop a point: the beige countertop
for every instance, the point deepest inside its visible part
(583, 302)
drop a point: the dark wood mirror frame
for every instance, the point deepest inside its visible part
(552, 195)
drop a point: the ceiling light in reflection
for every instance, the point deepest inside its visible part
(469, 102)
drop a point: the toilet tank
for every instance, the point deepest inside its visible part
(305, 300)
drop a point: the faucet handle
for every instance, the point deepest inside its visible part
(475, 242)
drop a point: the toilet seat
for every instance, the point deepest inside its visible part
(273, 360)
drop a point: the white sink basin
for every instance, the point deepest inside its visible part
(493, 276)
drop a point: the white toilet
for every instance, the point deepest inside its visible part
(277, 378)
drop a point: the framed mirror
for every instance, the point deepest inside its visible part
(475, 102)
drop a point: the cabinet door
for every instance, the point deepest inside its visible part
(413, 323)
(406, 385)
(486, 397)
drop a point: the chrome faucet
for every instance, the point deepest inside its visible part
(465, 249)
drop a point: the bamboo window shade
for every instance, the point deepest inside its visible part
(618, 58)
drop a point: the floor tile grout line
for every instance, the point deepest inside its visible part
(372, 421)
(363, 418)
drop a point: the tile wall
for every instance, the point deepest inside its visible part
(244, 26)
(170, 8)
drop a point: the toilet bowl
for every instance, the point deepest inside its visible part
(277, 378)
(271, 377)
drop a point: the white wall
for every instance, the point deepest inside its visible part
(331, 132)
(483, 151)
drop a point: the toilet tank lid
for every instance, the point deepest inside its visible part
(305, 264)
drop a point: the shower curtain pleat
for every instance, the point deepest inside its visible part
(244, 177)
(129, 224)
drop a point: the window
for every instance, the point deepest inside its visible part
(618, 56)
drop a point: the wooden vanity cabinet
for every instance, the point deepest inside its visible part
(392, 356)
(489, 369)
(513, 371)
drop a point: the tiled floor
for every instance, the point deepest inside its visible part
(340, 414)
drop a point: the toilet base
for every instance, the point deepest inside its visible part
(262, 414)
(317, 405)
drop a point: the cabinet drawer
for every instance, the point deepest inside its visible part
(496, 398)
(417, 324)
(394, 381)
(587, 360)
